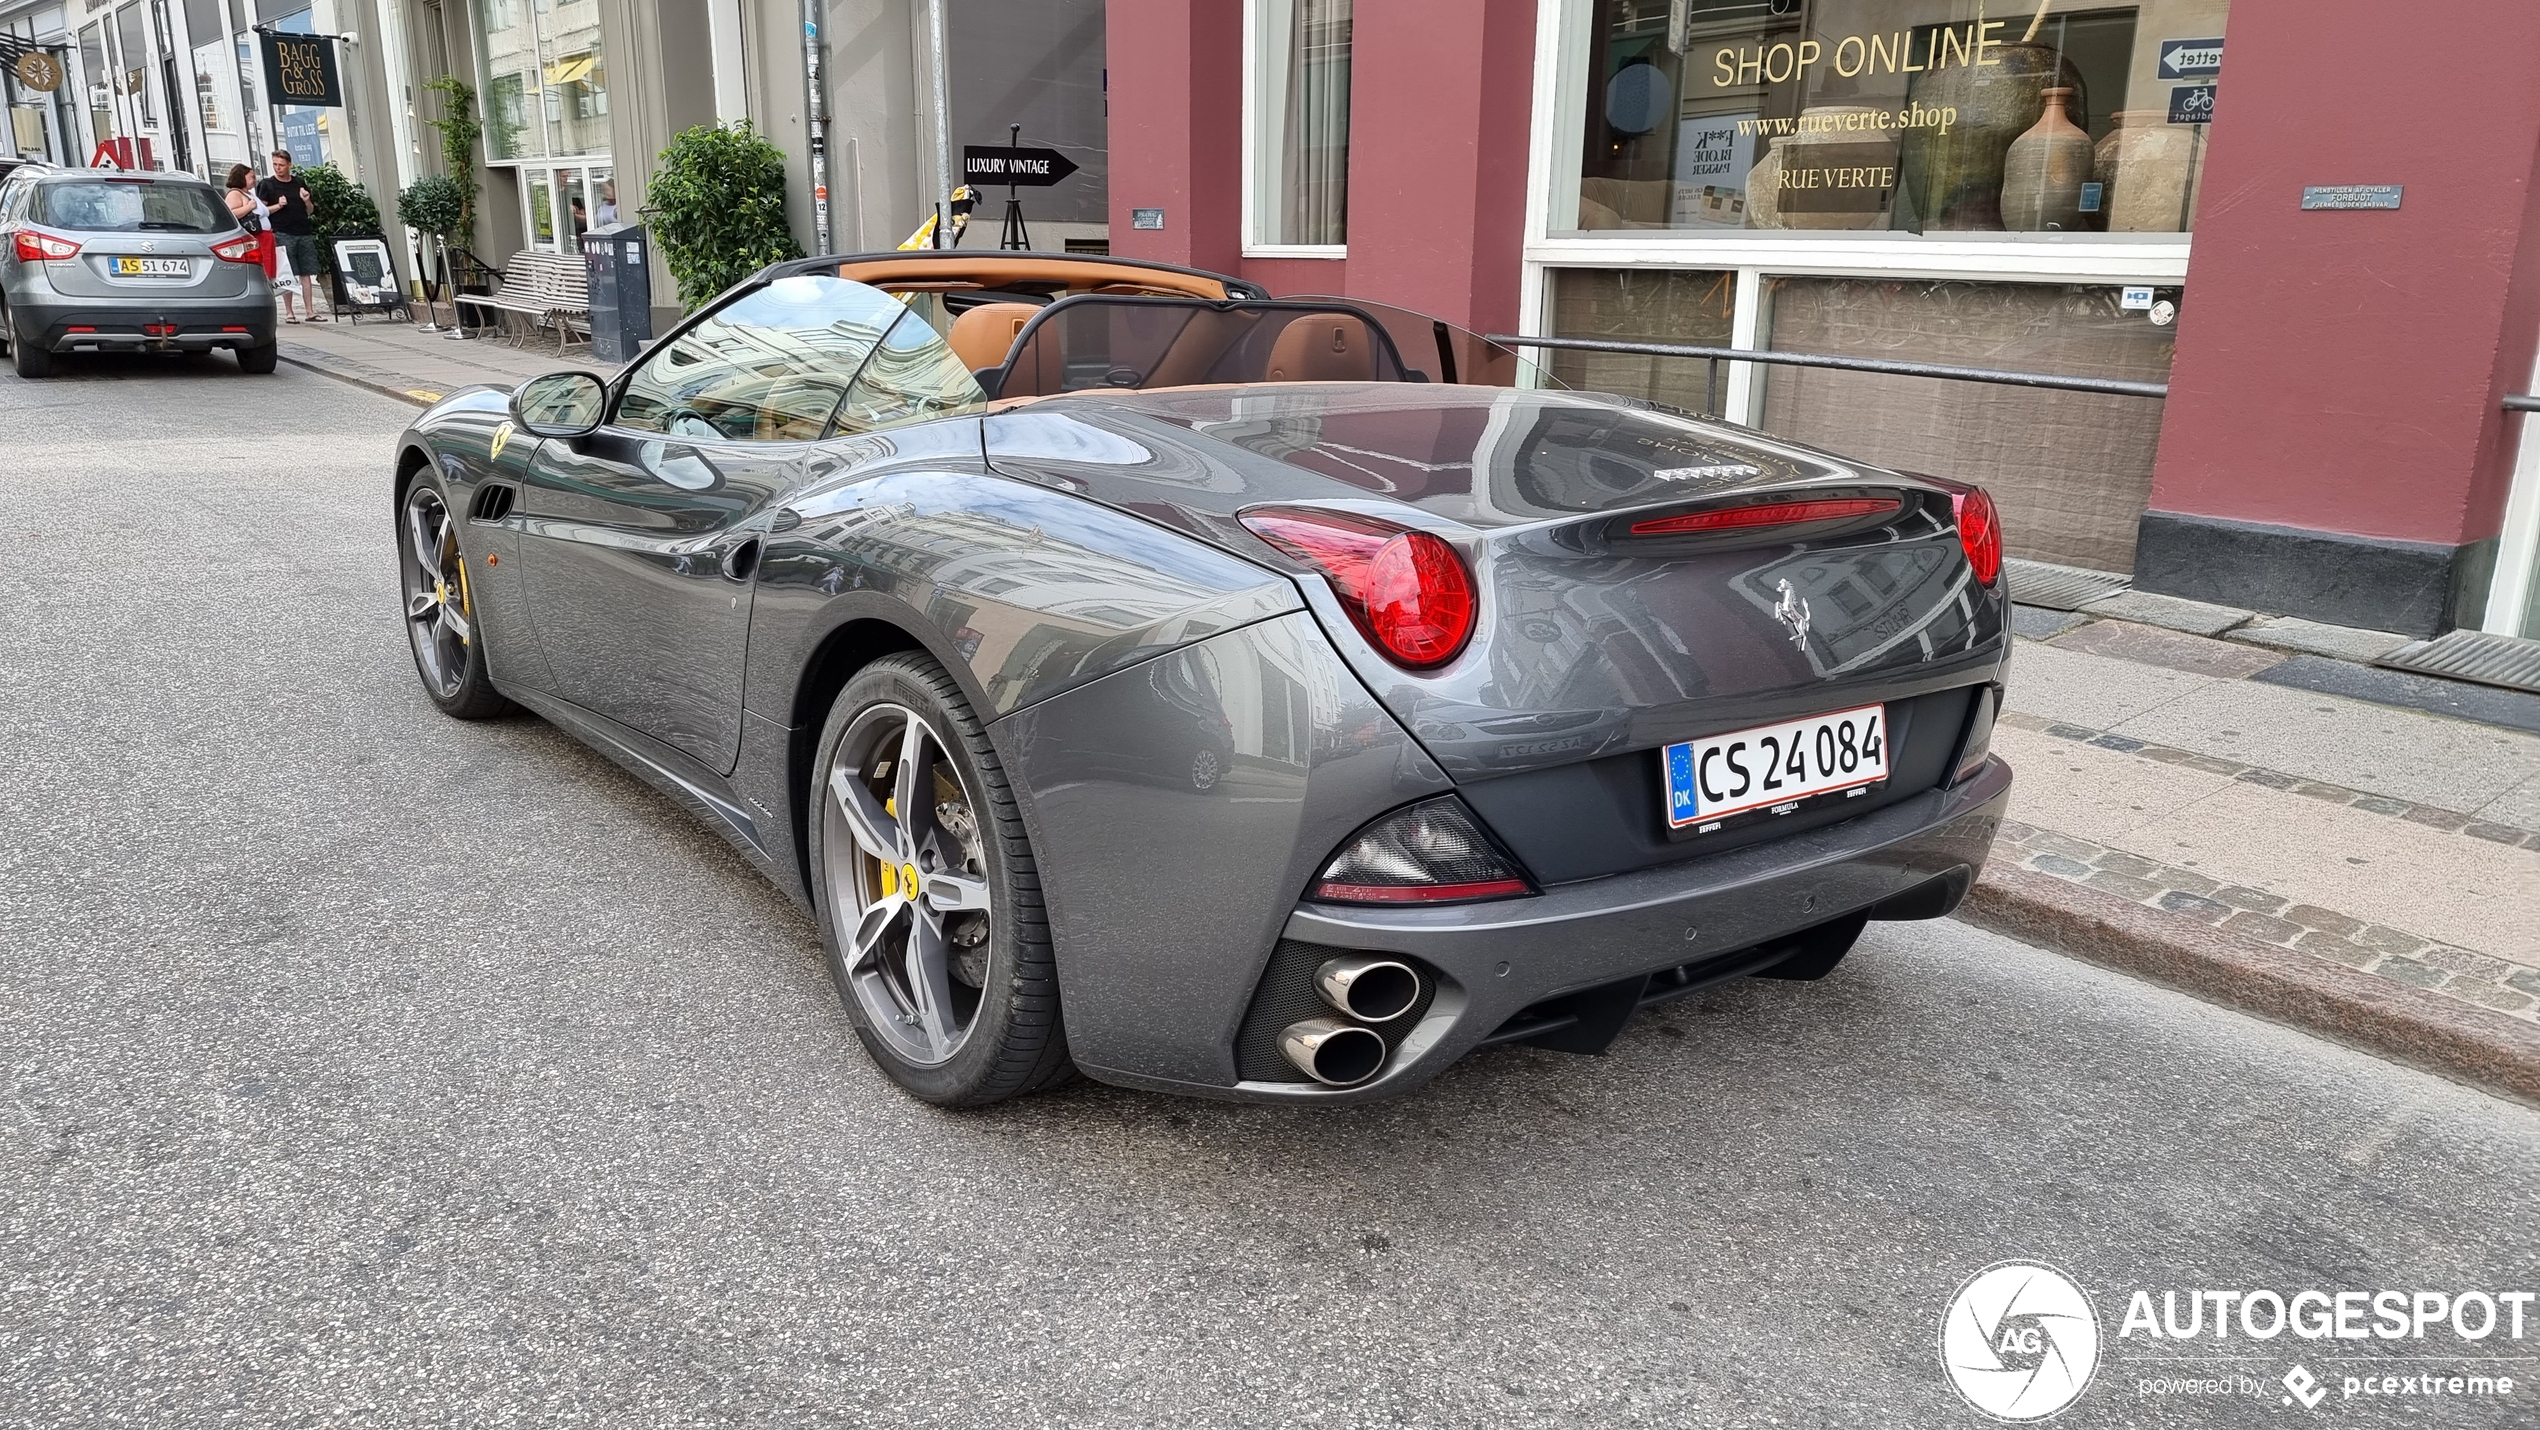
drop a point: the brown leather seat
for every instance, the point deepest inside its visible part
(1322, 347)
(983, 336)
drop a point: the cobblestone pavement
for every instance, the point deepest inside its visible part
(363, 1068)
(2401, 843)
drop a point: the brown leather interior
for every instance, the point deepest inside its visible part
(991, 270)
(982, 336)
(1322, 347)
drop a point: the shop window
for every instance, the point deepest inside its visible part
(1299, 162)
(134, 84)
(1917, 116)
(513, 105)
(2071, 470)
(92, 67)
(1642, 305)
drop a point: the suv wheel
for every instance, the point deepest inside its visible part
(30, 360)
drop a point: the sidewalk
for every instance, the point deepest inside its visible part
(2368, 871)
(2265, 821)
(401, 360)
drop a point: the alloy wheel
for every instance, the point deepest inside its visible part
(437, 604)
(903, 850)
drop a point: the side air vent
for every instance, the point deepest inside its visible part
(493, 501)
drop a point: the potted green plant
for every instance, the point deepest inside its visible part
(460, 129)
(436, 207)
(338, 208)
(716, 205)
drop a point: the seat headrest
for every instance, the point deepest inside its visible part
(1322, 347)
(982, 336)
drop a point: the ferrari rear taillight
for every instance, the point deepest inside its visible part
(1433, 852)
(36, 247)
(1406, 589)
(242, 249)
(1979, 531)
(1771, 513)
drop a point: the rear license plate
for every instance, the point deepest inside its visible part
(152, 268)
(1772, 765)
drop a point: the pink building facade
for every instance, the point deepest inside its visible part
(2231, 196)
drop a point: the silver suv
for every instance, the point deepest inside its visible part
(127, 262)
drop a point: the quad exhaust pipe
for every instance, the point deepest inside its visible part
(1370, 989)
(1333, 1052)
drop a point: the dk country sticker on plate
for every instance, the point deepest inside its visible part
(1770, 765)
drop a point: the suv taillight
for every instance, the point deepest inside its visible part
(1406, 589)
(34, 247)
(242, 249)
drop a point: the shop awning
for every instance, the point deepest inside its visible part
(568, 71)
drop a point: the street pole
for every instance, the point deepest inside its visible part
(816, 111)
(944, 182)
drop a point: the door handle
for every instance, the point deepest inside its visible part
(740, 559)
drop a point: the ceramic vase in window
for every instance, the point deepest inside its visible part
(2043, 174)
(2146, 169)
(1764, 188)
(1954, 175)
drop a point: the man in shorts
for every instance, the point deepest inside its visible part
(294, 232)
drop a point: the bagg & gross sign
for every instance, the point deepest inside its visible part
(300, 70)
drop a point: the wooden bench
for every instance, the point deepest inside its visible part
(539, 291)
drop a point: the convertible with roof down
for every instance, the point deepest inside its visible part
(1258, 698)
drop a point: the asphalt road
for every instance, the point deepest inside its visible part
(364, 1067)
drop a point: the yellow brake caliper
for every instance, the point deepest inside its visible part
(467, 607)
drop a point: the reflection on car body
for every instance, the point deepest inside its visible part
(1116, 661)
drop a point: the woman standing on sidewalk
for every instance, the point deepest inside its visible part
(250, 213)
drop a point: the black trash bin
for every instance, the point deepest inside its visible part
(621, 291)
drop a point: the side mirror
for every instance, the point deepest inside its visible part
(560, 404)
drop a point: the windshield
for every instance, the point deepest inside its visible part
(131, 206)
(794, 361)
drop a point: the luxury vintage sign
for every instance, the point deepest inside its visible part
(300, 70)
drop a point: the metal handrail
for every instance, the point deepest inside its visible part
(2116, 387)
(2522, 402)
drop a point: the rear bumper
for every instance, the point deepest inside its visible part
(1493, 961)
(124, 327)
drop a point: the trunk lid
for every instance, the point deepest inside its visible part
(1592, 639)
(162, 227)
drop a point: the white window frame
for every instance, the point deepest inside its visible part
(1563, 49)
(1254, 132)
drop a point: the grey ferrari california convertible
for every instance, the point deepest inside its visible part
(1269, 699)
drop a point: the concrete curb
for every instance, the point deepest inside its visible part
(2487, 1050)
(338, 373)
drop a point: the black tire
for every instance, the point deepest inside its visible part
(259, 360)
(450, 660)
(30, 360)
(1014, 1041)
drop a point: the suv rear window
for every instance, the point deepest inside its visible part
(131, 206)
